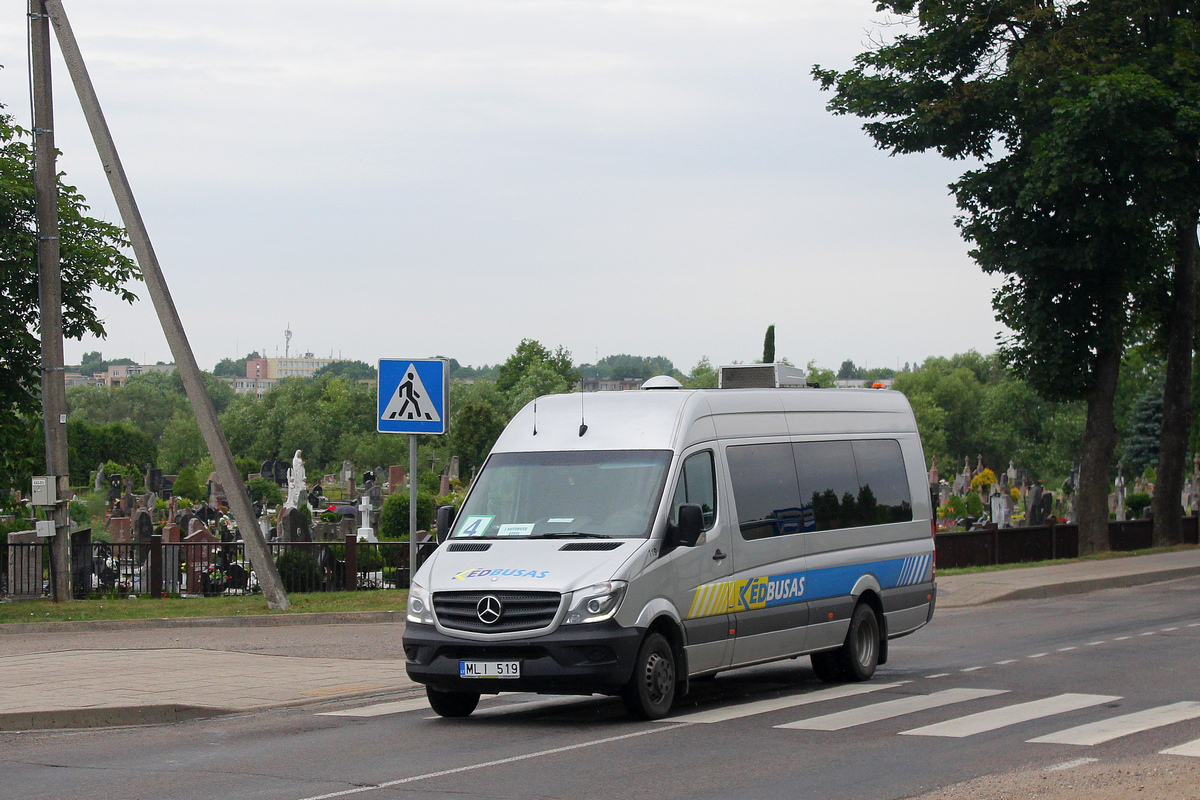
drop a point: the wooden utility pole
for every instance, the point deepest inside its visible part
(156, 284)
(54, 391)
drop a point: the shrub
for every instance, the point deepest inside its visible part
(1136, 503)
(265, 490)
(393, 517)
(299, 572)
(974, 504)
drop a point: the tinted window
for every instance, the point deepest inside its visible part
(829, 485)
(883, 485)
(764, 488)
(697, 484)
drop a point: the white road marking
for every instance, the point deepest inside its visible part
(1065, 649)
(1147, 633)
(938, 675)
(888, 709)
(1006, 661)
(1038, 655)
(1011, 715)
(1116, 727)
(778, 703)
(1166, 630)
(1189, 749)
(1194, 624)
(970, 669)
(1093, 644)
(1122, 638)
(529, 705)
(380, 709)
(496, 763)
(1079, 762)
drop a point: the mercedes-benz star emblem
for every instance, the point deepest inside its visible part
(488, 609)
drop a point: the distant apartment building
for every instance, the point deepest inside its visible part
(256, 386)
(79, 379)
(278, 368)
(119, 373)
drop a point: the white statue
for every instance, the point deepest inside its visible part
(296, 485)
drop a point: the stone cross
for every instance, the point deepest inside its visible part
(364, 530)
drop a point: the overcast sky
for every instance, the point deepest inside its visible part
(405, 179)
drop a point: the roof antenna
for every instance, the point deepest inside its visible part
(582, 424)
(535, 417)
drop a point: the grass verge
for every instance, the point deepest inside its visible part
(1111, 554)
(146, 608)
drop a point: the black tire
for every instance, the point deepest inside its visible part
(651, 689)
(452, 704)
(826, 667)
(858, 656)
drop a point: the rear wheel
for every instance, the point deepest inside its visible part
(452, 704)
(858, 656)
(651, 690)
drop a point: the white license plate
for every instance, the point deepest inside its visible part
(489, 669)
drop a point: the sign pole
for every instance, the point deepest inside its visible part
(412, 507)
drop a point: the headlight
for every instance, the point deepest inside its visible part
(595, 603)
(420, 605)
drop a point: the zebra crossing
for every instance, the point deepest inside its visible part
(869, 710)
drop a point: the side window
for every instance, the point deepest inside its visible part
(764, 488)
(828, 484)
(697, 484)
(883, 484)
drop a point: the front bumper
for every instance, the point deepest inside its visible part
(583, 659)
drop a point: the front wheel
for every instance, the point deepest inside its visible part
(452, 704)
(651, 690)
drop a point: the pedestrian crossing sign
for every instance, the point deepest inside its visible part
(412, 395)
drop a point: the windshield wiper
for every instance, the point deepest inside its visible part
(569, 535)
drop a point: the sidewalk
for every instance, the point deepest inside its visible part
(82, 675)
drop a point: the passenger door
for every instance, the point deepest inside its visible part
(770, 609)
(702, 593)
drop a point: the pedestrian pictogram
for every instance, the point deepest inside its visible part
(412, 396)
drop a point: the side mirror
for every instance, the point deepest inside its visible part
(445, 519)
(690, 524)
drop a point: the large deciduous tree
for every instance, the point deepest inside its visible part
(92, 259)
(1083, 116)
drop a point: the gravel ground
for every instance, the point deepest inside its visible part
(1154, 778)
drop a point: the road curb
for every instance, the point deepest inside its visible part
(110, 717)
(1080, 586)
(247, 621)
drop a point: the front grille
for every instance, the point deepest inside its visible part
(591, 546)
(522, 611)
(469, 547)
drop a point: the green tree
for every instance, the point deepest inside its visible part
(90, 445)
(824, 378)
(92, 260)
(704, 375)
(529, 353)
(1143, 433)
(769, 345)
(188, 486)
(229, 368)
(350, 370)
(1083, 117)
(479, 417)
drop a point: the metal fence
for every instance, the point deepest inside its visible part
(159, 569)
(994, 545)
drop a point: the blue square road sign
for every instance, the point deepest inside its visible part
(412, 395)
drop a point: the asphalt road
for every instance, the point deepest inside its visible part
(1043, 668)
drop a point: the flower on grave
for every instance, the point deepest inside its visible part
(228, 524)
(214, 574)
(985, 478)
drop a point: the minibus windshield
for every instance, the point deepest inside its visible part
(584, 494)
